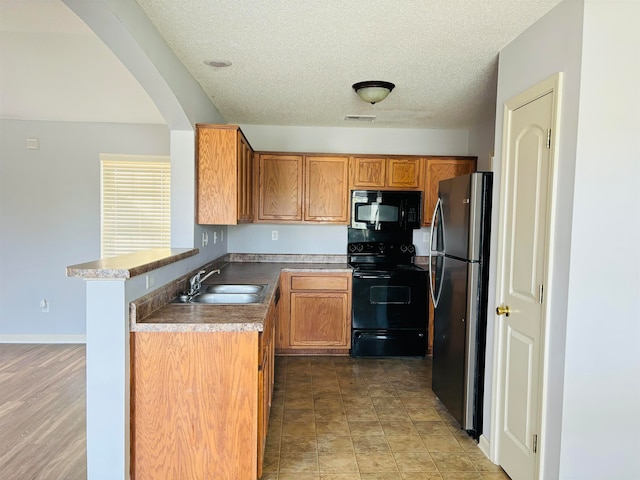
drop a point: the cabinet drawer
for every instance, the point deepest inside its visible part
(320, 282)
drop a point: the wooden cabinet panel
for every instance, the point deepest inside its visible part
(326, 189)
(318, 319)
(265, 381)
(280, 187)
(315, 314)
(403, 173)
(320, 282)
(194, 405)
(441, 168)
(245, 180)
(369, 172)
(224, 186)
(282, 319)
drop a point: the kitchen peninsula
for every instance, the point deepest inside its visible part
(199, 377)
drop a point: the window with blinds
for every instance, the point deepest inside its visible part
(135, 203)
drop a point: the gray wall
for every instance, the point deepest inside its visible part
(481, 143)
(591, 387)
(50, 217)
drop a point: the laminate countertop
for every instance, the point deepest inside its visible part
(176, 317)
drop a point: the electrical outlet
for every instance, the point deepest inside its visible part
(425, 237)
(205, 239)
(149, 281)
(222, 235)
(215, 237)
(274, 234)
(44, 305)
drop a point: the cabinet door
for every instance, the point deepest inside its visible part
(194, 398)
(245, 180)
(403, 173)
(369, 172)
(319, 319)
(440, 169)
(216, 177)
(326, 189)
(280, 187)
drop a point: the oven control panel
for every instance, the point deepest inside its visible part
(382, 248)
(385, 255)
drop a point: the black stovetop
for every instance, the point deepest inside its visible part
(381, 256)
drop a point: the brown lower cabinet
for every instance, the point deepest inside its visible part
(315, 314)
(200, 403)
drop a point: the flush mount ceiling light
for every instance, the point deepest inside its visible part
(373, 91)
(217, 63)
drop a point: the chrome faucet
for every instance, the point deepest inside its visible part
(195, 282)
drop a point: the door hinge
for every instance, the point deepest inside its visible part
(535, 443)
(549, 138)
(541, 293)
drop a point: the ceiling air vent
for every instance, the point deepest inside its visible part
(360, 118)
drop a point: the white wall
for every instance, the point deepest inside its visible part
(50, 216)
(551, 45)
(331, 239)
(601, 411)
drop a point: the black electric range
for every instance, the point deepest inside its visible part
(389, 300)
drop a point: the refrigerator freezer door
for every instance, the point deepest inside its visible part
(449, 334)
(459, 229)
(453, 349)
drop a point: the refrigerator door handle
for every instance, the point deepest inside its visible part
(433, 222)
(431, 252)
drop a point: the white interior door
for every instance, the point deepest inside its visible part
(523, 270)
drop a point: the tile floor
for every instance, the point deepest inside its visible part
(339, 418)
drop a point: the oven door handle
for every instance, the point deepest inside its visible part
(380, 336)
(360, 275)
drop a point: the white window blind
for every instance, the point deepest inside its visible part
(136, 203)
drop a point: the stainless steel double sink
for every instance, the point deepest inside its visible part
(225, 294)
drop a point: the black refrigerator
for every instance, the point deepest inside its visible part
(459, 266)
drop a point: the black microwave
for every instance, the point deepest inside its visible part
(385, 210)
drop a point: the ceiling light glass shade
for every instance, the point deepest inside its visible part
(373, 91)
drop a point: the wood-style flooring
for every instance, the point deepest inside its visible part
(333, 418)
(42, 412)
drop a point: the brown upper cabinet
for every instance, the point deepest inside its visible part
(297, 188)
(326, 192)
(441, 168)
(224, 177)
(390, 173)
(279, 187)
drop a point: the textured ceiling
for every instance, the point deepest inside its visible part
(293, 62)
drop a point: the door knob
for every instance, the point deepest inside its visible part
(503, 310)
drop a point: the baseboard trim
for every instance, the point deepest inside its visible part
(43, 339)
(484, 446)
